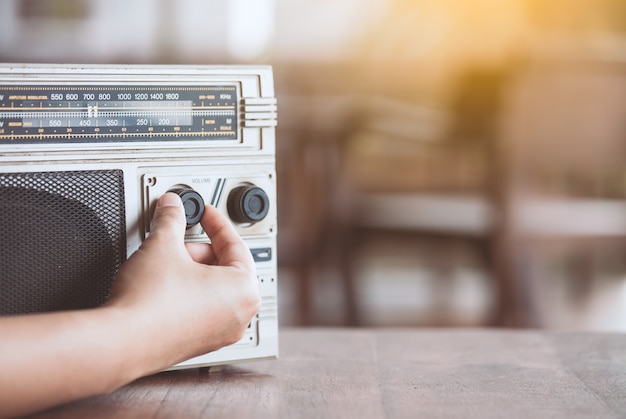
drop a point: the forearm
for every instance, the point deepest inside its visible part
(48, 359)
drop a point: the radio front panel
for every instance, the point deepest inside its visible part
(91, 149)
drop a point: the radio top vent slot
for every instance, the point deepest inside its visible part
(259, 112)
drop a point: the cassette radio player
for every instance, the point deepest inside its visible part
(89, 149)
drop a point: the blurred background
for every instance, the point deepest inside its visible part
(449, 163)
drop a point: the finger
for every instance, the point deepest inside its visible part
(228, 247)
(168, 221)
(201, 253)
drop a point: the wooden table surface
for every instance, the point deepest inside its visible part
(363, 373)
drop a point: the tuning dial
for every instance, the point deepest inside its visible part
(193, 204)
(248, 204)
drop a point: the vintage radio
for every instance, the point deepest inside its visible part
(85, 152)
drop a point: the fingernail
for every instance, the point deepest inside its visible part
(169, 199)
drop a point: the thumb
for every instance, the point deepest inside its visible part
(169, 218)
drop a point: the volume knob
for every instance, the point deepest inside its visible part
(193, 204)
(248, 204)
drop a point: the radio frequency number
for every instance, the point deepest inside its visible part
(123, 96)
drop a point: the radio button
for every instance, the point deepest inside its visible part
(263, 254)
(248, 204)
(193, 204)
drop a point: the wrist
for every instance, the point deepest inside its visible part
(138, 353)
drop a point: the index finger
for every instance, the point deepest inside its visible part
(228, 247)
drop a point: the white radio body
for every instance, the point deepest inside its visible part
(85, 152)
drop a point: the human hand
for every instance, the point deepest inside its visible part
(183, 300)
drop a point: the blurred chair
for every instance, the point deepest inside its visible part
(561, 172)
(329, 202)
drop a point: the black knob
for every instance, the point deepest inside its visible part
(193, 204)
(248, 204)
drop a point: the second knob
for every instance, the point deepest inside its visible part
(248, 204)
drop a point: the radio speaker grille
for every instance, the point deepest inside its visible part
(63, 238)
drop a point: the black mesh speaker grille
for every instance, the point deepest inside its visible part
(63, 238)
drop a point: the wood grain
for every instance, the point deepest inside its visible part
(361, 373)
